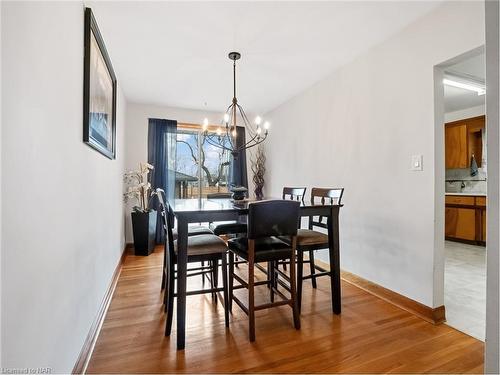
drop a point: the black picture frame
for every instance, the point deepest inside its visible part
(98, 131)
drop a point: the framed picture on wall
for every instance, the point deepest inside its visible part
(99, 92)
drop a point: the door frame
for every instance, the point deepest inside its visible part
(439, 172)
(492, 348)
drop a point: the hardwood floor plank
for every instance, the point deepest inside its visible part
(370, 336)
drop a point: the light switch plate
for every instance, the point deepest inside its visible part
(417, 163)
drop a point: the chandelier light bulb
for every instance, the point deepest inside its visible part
(267, 125)
(258, 120)
(218, 131)
(259, 130)
(205, 124)
(226, 117)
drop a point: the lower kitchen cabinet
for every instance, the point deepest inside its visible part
(460, 223)
(465, 219)
(483, 225)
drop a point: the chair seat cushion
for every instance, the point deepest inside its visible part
(228, 227)
(266, 249)
(198, 229)
(311, 237)
(204, 244)
(194, 231)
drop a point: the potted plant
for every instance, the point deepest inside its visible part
(143, 218)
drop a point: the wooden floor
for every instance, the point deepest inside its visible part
(370, 336)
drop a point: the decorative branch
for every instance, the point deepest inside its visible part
(259, 169)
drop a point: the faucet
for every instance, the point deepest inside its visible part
(462, 185)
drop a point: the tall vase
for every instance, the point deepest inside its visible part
(144, 230)
(259, 169)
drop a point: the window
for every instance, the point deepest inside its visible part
(201, 168)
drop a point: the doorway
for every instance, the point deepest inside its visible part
(462, 174)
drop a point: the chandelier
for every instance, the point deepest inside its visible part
(225, 136)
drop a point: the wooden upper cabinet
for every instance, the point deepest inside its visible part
(463, 139)
(455, 143)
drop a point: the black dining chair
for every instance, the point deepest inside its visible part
(192, 231)
(266, 221)
(292, 193)
(200, 248)
(310, 240)
(226, 227)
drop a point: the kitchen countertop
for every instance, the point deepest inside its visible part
(468, 194)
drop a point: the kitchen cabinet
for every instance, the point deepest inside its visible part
(460, 223)
(463, 139)
(483, 226)
(456, 146)
(465, 218)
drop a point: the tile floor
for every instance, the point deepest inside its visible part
(465, 288)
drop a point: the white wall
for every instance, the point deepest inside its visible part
(492, 350)
(62, 214)
(465, 113)
(1, 363)
(358, 128)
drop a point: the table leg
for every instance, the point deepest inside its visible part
(182, 230)
(334, 252)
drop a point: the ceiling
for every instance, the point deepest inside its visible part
(456, 99)
(175, 53)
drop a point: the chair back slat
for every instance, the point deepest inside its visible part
(167, 219)
(331, 196)
(273, 218)
(294, 193)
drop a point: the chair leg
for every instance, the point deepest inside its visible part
(203, 275)
(313, 269)
(224, 284)
(236, 259)
(300, 273)
(293, 292)
(166, 291)
(163, 280)
(212, 278)
(276, 274)
(251, 301)
(170, 304)
(216, 272)
(231, 280)
(215, 275)
(284, 265)
(270, 276)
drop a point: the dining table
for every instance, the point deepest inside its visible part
(200, 210)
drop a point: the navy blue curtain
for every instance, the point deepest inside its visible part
(162, 141)
(238, 169)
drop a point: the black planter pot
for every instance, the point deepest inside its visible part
(144, 228)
